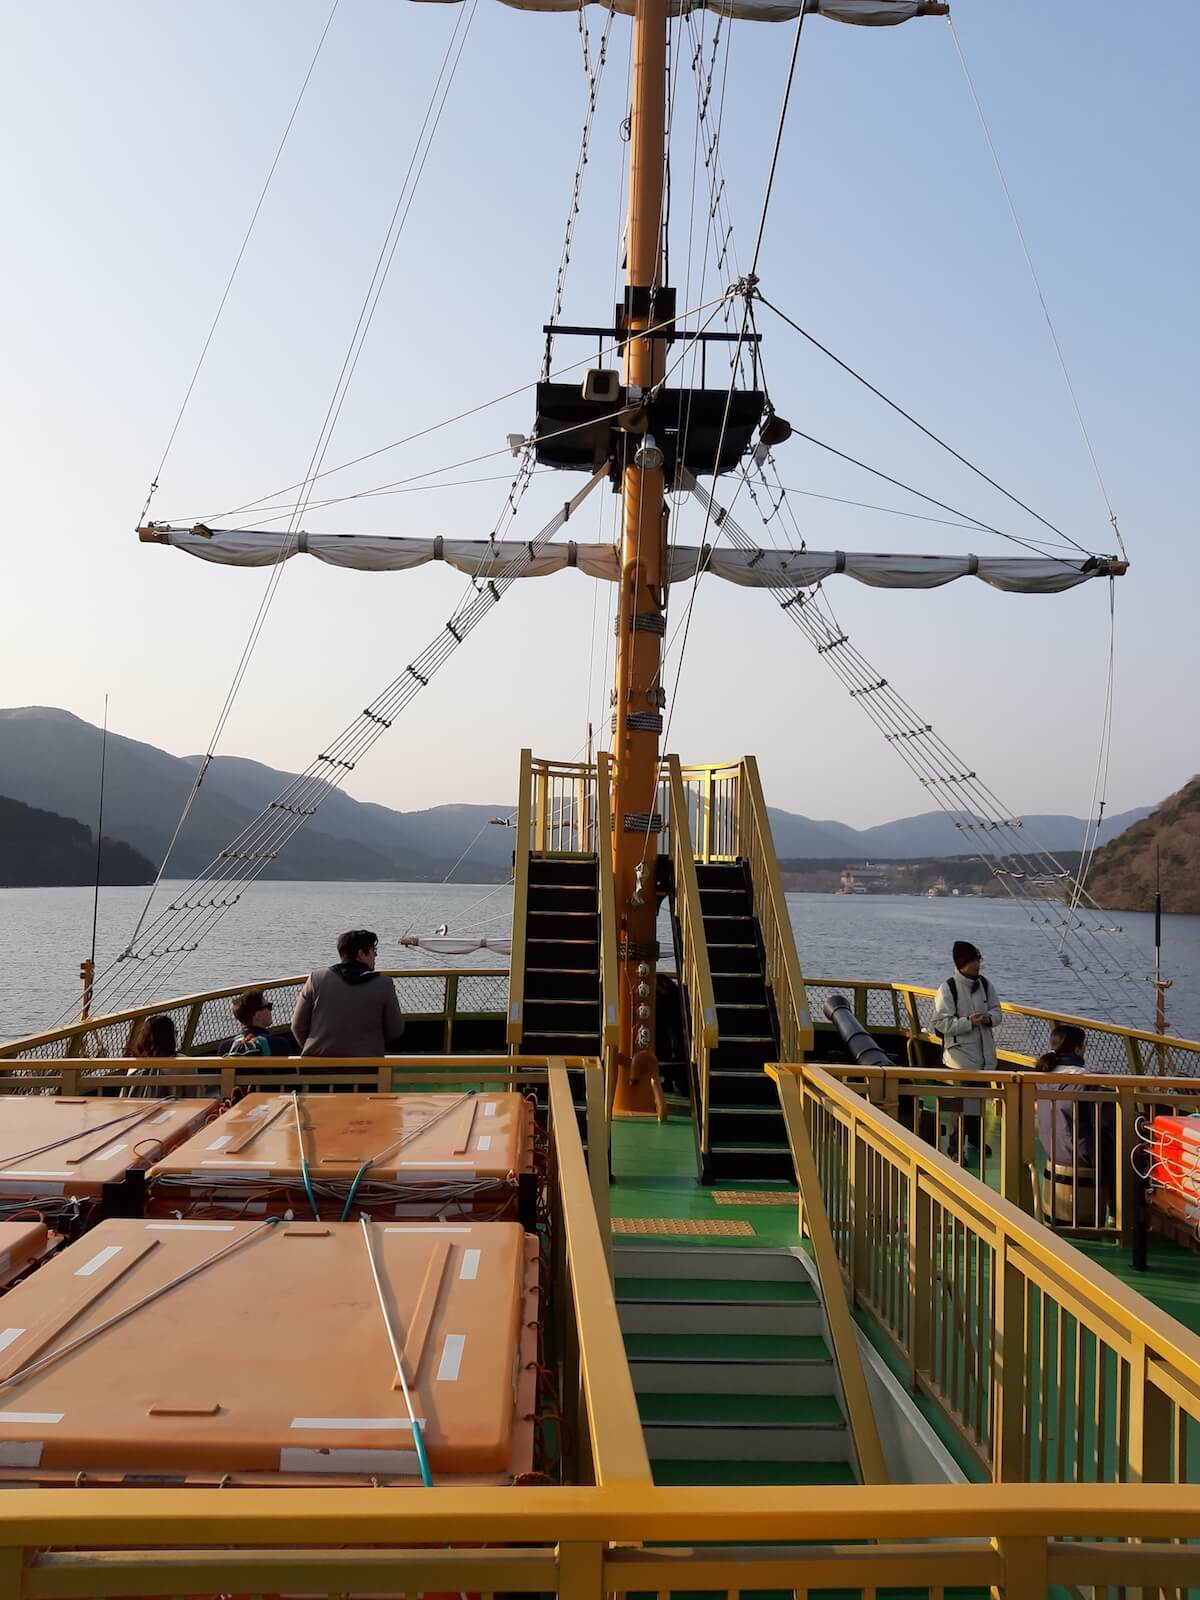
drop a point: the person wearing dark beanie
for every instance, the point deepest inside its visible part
(966, 1013)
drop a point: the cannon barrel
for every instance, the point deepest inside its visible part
(863, 1049)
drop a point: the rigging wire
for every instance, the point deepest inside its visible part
(1058, 350)
(920, 426)
(1100, 783)
(237, 263)
(333, 412)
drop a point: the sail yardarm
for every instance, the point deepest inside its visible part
(765, 569)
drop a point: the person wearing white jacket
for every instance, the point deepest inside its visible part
(965, 1013)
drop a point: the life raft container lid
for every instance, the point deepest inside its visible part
(409, 1138)
(20, 1243)
(157, 1349)
(62, 1144)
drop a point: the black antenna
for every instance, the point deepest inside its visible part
(89, 967)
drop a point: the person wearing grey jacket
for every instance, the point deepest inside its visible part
(966, 1013)
(349, 1009)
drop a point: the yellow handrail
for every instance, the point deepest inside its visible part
(515, 1025)
(860, 1414)
(757, 846)
(611, 1031)
(73, 1036)
(1118, 1042)
(696, 975)
(585, 1542)
(985, 1307)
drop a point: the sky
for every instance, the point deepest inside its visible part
(139, 136)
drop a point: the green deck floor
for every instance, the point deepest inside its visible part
(654, 1175)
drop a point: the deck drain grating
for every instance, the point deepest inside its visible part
(682, 1226)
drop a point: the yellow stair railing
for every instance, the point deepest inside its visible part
(695, 974)
(515, 1025)
(1046, 1367)
(609, 968)
(756, 846)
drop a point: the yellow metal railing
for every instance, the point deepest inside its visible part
(515, 1024)
(711, 798)
(585, 1543)
(563, 806)
(695, 974)
(756, 846)
(1100, 1197)
(1022, 1036)
(860, 1414)
(609, 968)
(1047, 1367)
(203, 1018)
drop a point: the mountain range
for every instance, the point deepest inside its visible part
(50, 759)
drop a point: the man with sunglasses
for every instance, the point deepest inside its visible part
(349, 1009)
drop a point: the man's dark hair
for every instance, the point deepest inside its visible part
(247, 1005)
(349, 944)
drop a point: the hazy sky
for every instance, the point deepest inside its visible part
(138, 135)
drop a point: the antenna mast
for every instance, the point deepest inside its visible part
(87, 969)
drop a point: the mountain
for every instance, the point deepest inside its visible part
(1167, 844)
(51, 759)
(40, 848)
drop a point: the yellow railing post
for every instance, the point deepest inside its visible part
(709, 814)
(515, 1024)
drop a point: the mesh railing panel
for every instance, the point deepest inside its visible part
(483, 993)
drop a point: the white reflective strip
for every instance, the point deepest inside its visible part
(219, 1144)
(327, 1461)
(190, 1227)
(30, 1172)
(484, 1142)
(470, 1265)
(8, 1335)
(415, 1227)
(489, 1109)
(166, 1116)
(232, 1172)
(98, 1260)
(108, 1155)
(445, 1166)
(21, 1453)
(32, 1417)
(340, 1424)
(452, 1354)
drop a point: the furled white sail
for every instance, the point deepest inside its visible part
(866, 13)
(759, 569)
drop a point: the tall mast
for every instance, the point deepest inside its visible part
(640, 614)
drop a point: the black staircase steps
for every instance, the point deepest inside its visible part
(562, 963)
(747, 1134)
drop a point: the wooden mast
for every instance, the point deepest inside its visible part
(640, 616)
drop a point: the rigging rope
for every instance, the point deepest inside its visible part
(1103, 755)
(191, 915)
(333, 412)
(920, 426)
(1058, 350)
(1018, 863)
(237, 263)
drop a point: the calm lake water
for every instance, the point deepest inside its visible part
(287, 928)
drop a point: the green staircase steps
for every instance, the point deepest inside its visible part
(733, 1374)
(562, 963)
(747, 1135)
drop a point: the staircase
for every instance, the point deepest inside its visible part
(748, 1139)
(562, 962)
(734, 1378)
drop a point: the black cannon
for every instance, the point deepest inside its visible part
(863, 1049)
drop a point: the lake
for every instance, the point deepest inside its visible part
(286, 928)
